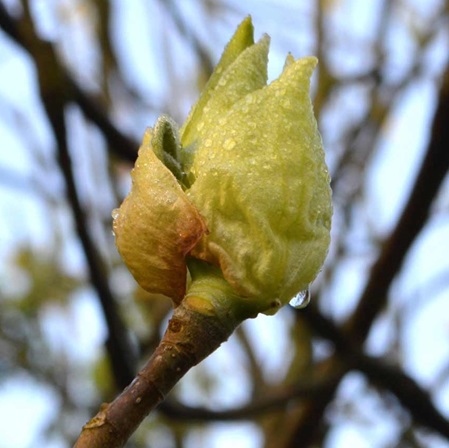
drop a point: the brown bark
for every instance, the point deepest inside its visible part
(190, 337)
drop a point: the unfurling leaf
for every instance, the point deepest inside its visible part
(156, 226)
(249, 167)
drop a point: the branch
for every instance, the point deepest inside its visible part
(190, 337)
(409, 393)
(260, 406)
(187, 33)
(430, 177)
(121, 145)
(51, 89)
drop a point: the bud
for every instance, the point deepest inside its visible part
(245, 187)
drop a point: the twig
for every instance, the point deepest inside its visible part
(190, 337)
(260, 406)
(190, 37)
(121, 145)
(52, 88)
(431, 175)
(415, 399)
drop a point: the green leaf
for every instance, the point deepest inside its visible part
(166, 145)
(270, 211)
(242, 39)
(156, 226)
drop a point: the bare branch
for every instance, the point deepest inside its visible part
(260, 406)
(121, 145)
(190, 337)
(414, 398)
(430, 177)
(52, 92)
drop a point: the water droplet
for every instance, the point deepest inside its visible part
(229, 143)
(301, 300)
(115, 213)
(169, 198)
(287, 104)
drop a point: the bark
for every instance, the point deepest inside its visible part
(190, 337)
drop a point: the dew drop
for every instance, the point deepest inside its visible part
(229, 143)
(115, 213)
(169, 198)
(301, 300)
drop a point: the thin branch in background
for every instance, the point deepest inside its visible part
(256, 408)
(373, 299)
(415, 399)
(121, 145)
(413, 218)
(52, 86)
(190, 36)
(254, 367)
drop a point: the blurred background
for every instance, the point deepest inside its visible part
(365, 365)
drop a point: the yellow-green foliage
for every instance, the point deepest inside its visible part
(245, 187)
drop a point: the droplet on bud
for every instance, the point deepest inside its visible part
(115, 213)
(301, 300)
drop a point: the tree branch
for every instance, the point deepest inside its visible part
(260, 406)
(190, 337)
(414, 398)
(430, 177)
(374, 297)
(52, 92)
(121, 145)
